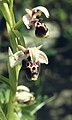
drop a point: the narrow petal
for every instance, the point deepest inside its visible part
(29, 12)
(21, 48)
(39, 47)
(42, 57)
(42, 9)
(15, 59)
(11, 59)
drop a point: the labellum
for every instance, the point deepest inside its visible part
(31, 69)
(41, 30)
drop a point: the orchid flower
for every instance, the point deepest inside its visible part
(31, 58)
(32, 18)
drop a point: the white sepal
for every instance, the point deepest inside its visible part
(15, 59)
(29, 12)
(26, 21)
(42, 57)
(43, 10)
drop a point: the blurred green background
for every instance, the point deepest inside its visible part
(56, 77)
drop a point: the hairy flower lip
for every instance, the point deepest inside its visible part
(41, 31)
(35, 77)
(34, 73)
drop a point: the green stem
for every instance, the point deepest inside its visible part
(13, 76)
(10, 115)
(7, 11)
(12, 38)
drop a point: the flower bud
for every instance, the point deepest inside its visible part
(23, 95)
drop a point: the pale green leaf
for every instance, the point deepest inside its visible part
(4, 79)
(2, 115)
(20, 37)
